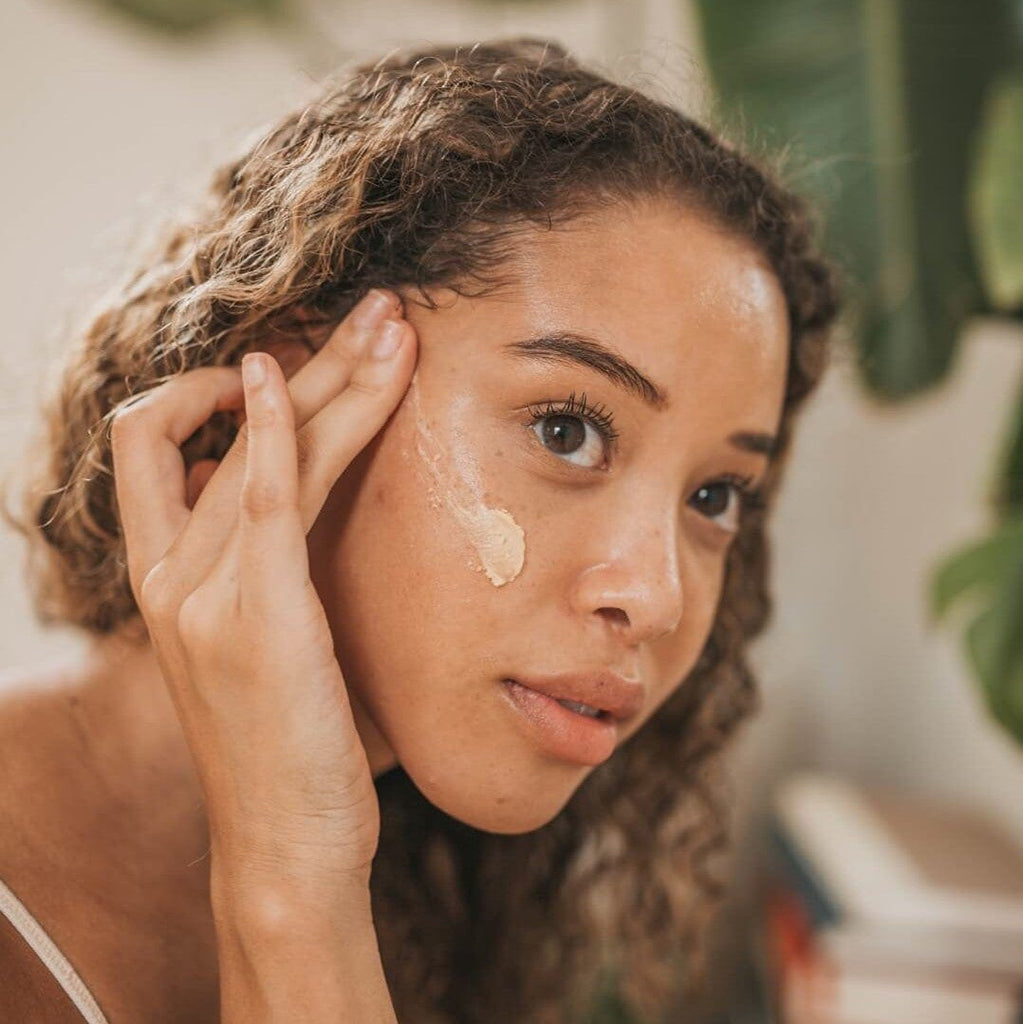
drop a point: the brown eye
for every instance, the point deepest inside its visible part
(714, 498)
(572, 439)
(575, 431)
(563, 434)
(722, 501)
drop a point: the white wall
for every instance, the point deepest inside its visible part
(855, 676)
(101, 122)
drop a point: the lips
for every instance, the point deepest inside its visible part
(559, 732)
(615, 696)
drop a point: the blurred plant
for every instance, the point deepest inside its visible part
(188, 17)
(191, 17)
(290, 21)
(908, 115)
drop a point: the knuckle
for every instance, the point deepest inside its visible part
(339, 347)
(157, 599)
(125, 420)
(262, 499)
(197, 624)
(261, 417)
(368, 386)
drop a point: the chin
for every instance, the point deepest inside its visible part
(505, 801)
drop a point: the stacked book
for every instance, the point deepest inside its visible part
(882, 908)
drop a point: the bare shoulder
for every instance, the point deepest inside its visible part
(28, 991)
(32, 692)
(30, 703)
(100, 840)
(33, 738)
(30, 728)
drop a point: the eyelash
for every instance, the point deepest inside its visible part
(602, 420)
(598, 416)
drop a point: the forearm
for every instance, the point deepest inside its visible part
(286, 957)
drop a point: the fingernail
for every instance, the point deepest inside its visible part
(388, 340)
(371, 309)
(253, 370)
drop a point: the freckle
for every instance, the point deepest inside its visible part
(380, 495)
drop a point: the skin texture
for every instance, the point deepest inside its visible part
(621, 571)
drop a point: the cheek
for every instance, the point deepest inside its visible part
(673, 657)
(402, 587)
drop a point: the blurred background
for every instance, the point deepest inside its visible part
(904, 120)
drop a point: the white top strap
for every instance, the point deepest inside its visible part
(32, 932)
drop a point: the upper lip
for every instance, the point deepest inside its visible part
(603, 689)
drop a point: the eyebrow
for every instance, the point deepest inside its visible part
(751, 441)
(570, 347)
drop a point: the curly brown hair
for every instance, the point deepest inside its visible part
(419, 169)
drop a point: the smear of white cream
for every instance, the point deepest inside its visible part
(499, 541)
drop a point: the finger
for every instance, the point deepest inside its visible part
(149, 470)
(271, 546)
(310, 388)
(346, 425)
(319, 380)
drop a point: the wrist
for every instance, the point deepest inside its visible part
(270, 860)
(290, 952)
(270, 896)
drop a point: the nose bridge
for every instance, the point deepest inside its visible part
(634, 573)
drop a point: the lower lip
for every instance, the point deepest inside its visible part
(566, 734)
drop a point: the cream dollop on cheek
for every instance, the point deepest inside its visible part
(499, 541)
(501, 545)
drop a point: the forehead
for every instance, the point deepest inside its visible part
(695, 307)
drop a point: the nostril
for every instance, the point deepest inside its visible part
(616, 615)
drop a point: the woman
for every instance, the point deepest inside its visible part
(467, 599)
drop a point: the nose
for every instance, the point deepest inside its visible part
(637, 590)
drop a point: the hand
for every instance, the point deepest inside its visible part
(238, 628)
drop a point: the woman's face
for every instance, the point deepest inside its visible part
(493, 532)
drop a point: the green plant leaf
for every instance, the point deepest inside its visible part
(880, 99)
(1008, 496)
(990, 573)
(997, 194)
(188, 17)
(994, 642)
(980, 566)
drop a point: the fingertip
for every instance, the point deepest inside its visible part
(395, 299)
(265, 386)
(254, 370)
(391, 336)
